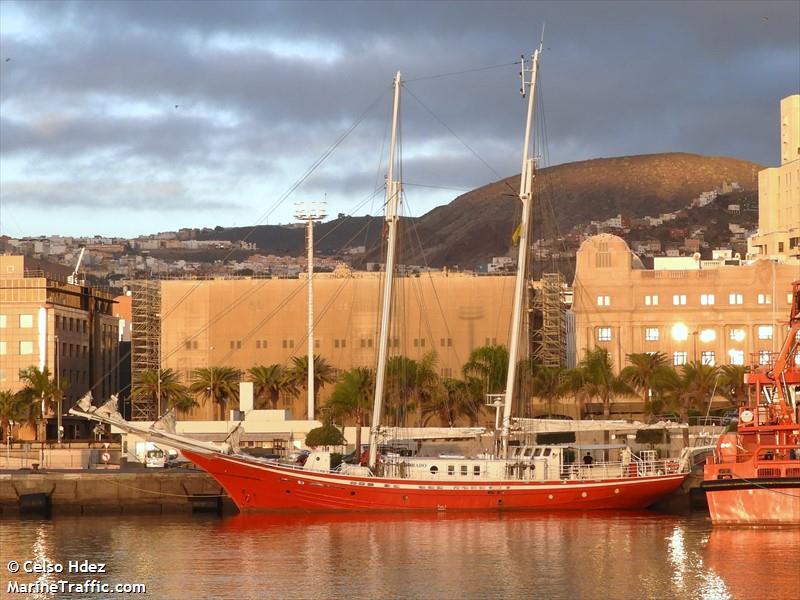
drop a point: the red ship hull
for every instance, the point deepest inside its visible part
(775, 505)
(268, 487)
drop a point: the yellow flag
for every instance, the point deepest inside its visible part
(516, 235)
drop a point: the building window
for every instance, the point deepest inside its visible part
(737, 335)
(764, 357)
(395, 342)
(366, 343)
(651, 334)
(604, 334)
(765, 298)
(706, 299)
(491, 342)
(316, 343)
(446, 342)
(788, 301)
(735, 299)
(25, 321)
(651, 300)
(446, 372)
(707, 357)
(3, 348)
(736, 356)
(679, 299)
(765, 332)
(187, 346)
(26, 347)
(258, 343)
(679, 358)
(604, 301)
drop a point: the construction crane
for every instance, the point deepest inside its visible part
(74, 277)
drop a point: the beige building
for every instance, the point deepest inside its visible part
(779, 193)
(45, 321)
(247, 322)
(722, 315)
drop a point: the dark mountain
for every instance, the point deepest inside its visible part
(479, 224)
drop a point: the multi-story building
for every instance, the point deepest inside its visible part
(246, 322)
(46, 321)
(726, 314)
(779, 193)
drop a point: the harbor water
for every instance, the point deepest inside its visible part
(512, 555)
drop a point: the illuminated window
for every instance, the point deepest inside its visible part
(736, 357)
(707, 358)
(4, 318)
(604, 334)
(679, 299)
(765, 298)
(25, 321)
(26, 347)
(735, 299)
(706, 299)
(788, 301)
(765, 332)
(3, 348)
(737, 335)
(604, 301)
(707, 336)
(651, 334)
(651, 300)
(679, 358)
(764, 357)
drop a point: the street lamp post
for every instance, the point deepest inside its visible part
(58, 391)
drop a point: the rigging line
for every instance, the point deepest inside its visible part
(316, 164)
(436, 187)
(430, 276)
(452, 73)
(467, 146)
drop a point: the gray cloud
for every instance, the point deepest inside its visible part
(264, 88)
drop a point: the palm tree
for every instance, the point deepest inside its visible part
(40, 390)
(11, 410)
(489, 365)
(411, 385)
(731, 383)
(647, 373)
(270, 382)
(352, 398)
(458, 399)
(146, 386)
(218, 384)
(548, 383)
(694, 387)
(324, 374)
(597, 379)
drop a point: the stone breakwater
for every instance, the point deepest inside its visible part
(110, 492)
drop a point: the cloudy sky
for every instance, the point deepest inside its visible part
(124, 118)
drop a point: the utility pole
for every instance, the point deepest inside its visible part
(58, 391)
(310, 212)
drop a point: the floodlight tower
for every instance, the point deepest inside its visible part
(310, 212)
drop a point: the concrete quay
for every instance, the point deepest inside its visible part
(110, 491)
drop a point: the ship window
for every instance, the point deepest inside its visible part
(434, 470)
(476, 470)
(451, 469)
(547, 451)
(464, 470)
(538, 452)
(528, 452)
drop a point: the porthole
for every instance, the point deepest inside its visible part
(434, 469)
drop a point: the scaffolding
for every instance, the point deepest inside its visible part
(549, 322)
(145, 341)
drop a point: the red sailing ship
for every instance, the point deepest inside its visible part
(753, 477)
(519, 478)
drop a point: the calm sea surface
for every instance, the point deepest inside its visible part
(599, 555)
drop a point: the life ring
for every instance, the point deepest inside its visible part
(746, 416)
(105, 457)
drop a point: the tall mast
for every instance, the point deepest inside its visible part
(526, 196)
(393, 190)
(310, 212)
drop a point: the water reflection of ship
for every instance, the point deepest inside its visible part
(732, 554)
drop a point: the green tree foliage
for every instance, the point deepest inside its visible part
(594, 379)
(324, 374)
(489, 366)
(352, 398)
(11, 410)
(173, 393)
(327, 435)
(693, 387)
(456, 399)
(548, 384)
(218, 384)
(731, 383)
(270, 383)
(650, 375)
(39, 391)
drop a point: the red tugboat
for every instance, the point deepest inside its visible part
(754, 476)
